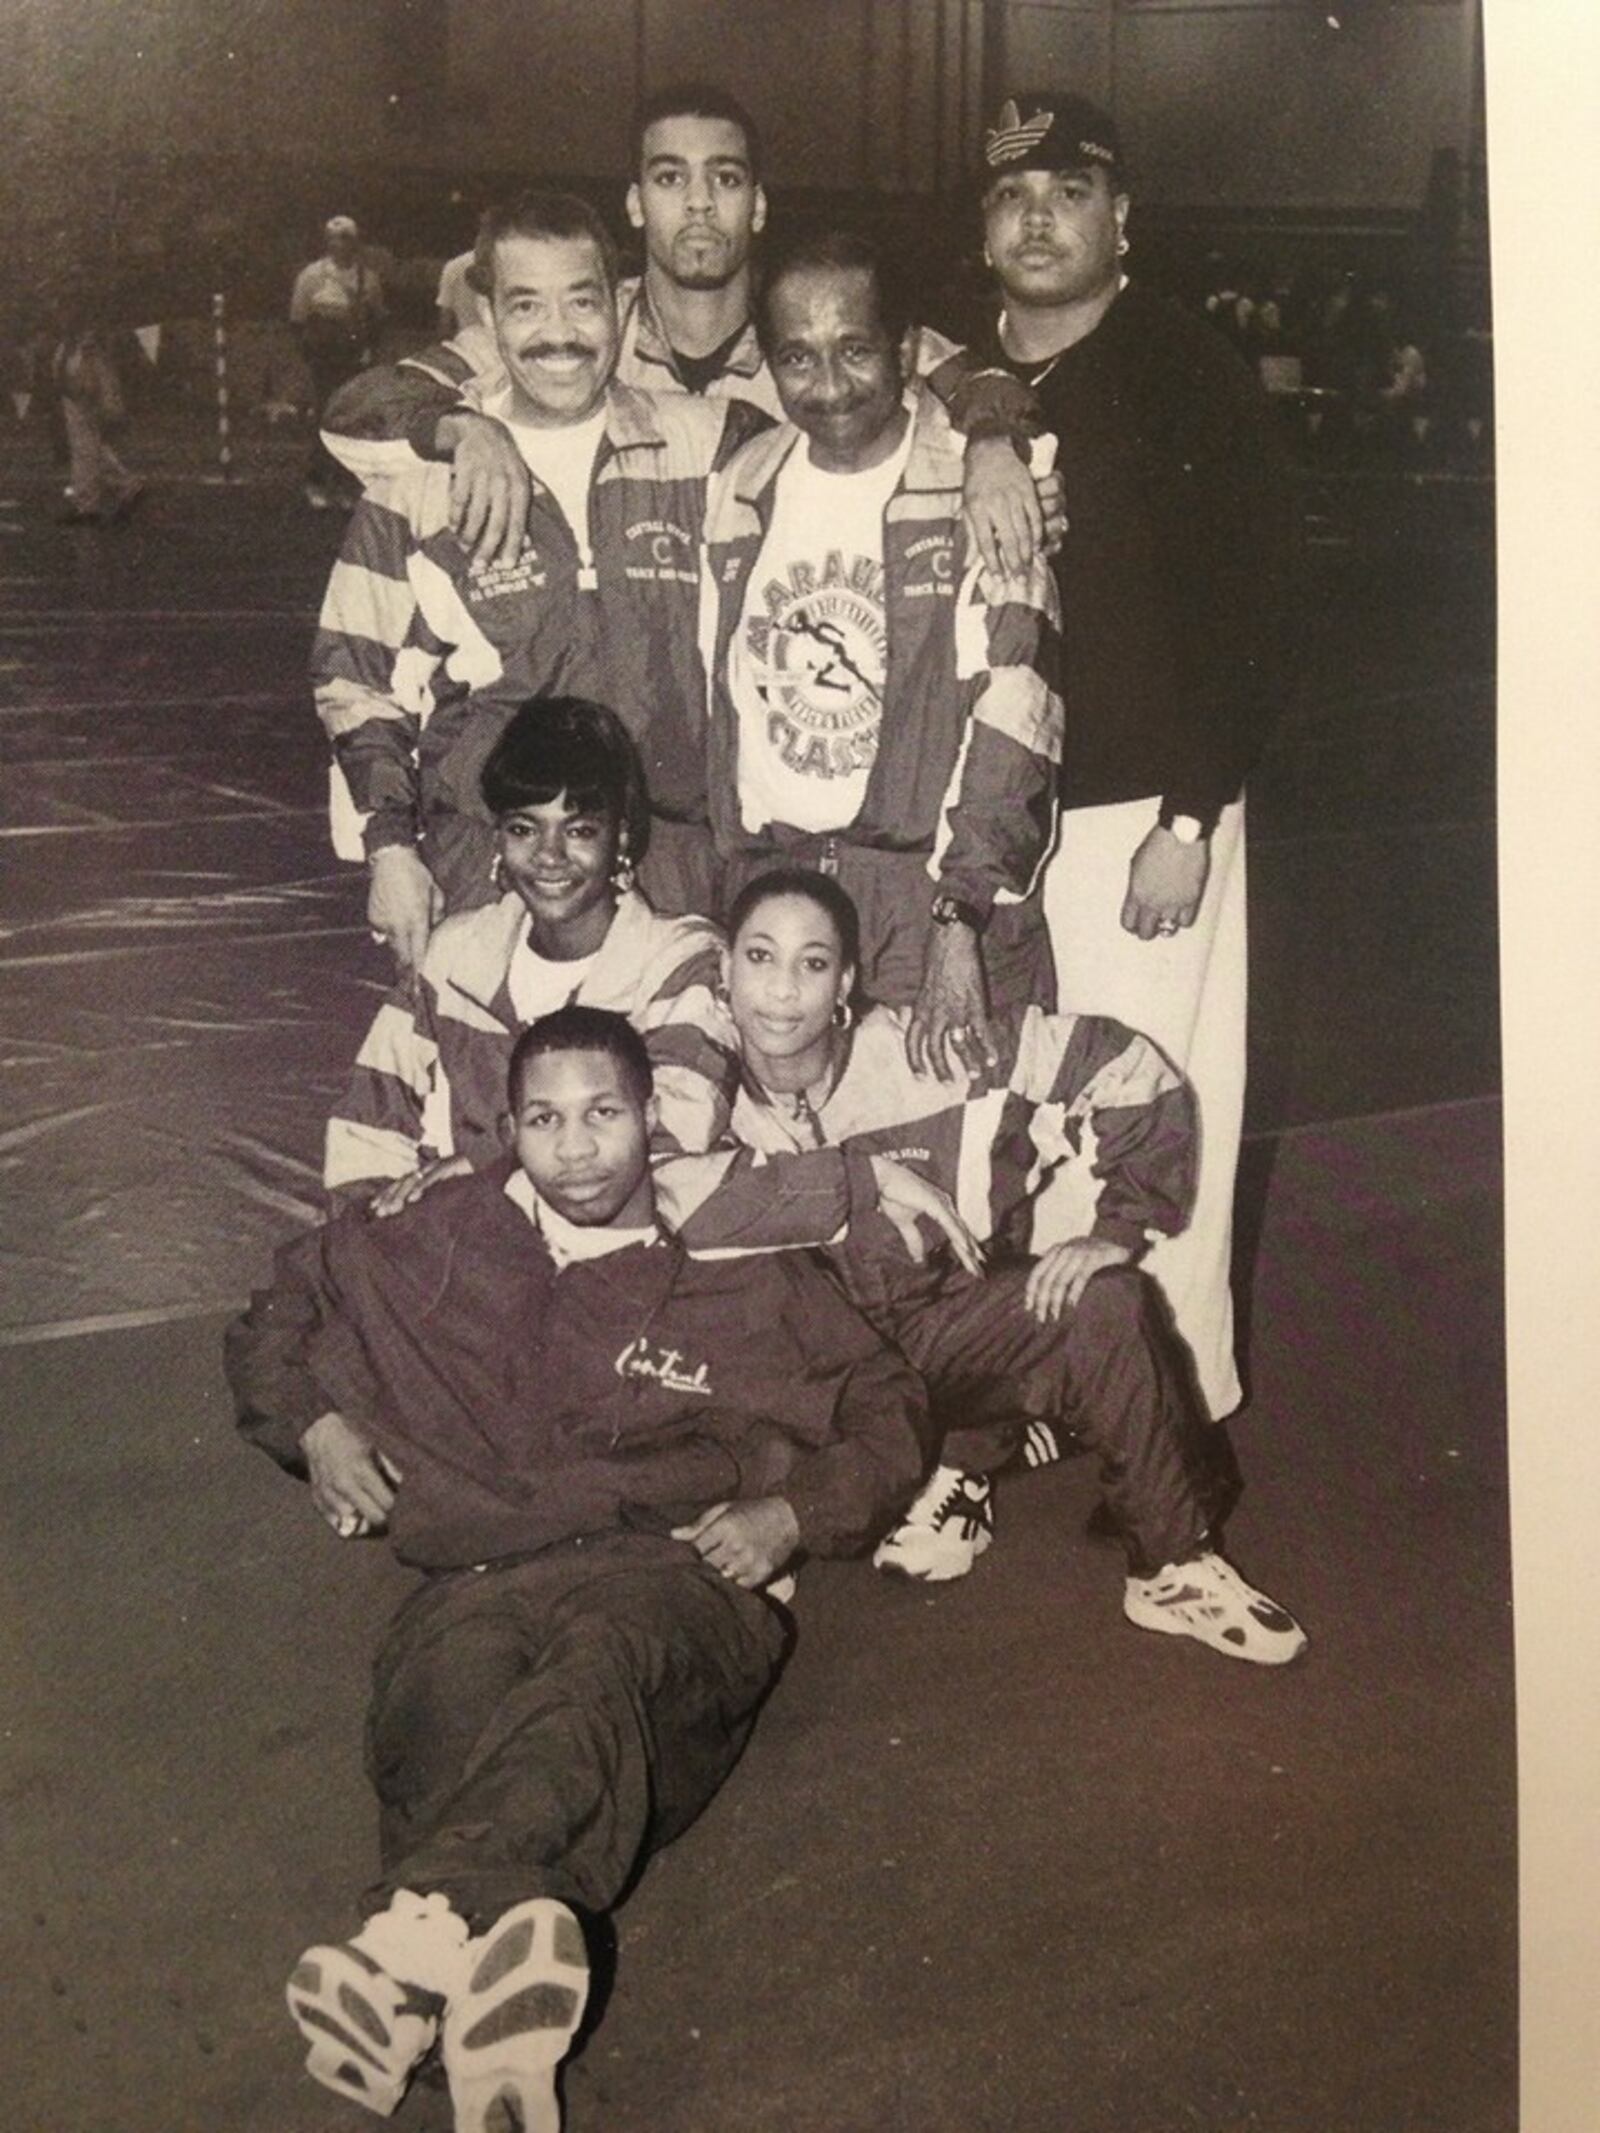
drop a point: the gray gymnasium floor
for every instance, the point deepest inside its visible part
(994, 1862)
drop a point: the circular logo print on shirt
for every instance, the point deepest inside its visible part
(820, 655)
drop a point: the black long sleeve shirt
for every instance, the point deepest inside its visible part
(1178, 560)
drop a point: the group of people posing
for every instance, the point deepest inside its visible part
(712, 667)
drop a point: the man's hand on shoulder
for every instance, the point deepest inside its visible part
(490, 487)
(400, 1193)
(352, 1484)
(748, 1542)
(1011, 512)
(1001, 505)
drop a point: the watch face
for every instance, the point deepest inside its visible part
(1185, 828)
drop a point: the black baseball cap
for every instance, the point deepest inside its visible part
(1049, 131)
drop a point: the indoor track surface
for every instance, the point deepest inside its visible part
(995, 1862)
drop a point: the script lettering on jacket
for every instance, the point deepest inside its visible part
(666, 1366)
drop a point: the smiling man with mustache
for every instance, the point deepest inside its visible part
(429, 642)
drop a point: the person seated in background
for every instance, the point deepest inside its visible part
(599, 1450)
(1076, 1343)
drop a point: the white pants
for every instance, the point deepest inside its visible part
(1188, 993)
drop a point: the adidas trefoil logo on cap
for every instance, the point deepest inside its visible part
(1014, 135)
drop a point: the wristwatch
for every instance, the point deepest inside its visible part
(951, 911)
(1186, 828)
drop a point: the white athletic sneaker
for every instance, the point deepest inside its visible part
(944, 1532)
(369, 2007)
(1207, 1599)
(508, 2030)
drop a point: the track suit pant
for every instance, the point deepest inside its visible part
(1110, 1374)
(1188, 993)
(538, 1728)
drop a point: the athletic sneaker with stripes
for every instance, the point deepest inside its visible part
(508, 2030)
(1206, 1598)
(369, 2007)
(945, 1531)
(504, 2006)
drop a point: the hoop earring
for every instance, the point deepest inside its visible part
(843, 1014)
(497, 873)
(622, 872)
(1122, 247)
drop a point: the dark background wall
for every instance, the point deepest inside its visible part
(154, 137)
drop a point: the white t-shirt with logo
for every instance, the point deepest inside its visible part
(563, 457)
(807, 663)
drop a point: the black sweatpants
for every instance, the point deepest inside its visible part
(538, 1728)
(1111, 1374)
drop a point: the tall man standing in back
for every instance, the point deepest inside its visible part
(686, 322)
(1173, 582)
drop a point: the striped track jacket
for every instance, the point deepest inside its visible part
(1068, 1090)
(430, 1079)
(972, 731)
(420, 656)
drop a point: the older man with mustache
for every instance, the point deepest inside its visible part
(427, 645)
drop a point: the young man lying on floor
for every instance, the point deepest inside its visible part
(599, 1451)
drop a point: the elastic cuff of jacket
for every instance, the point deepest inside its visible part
(421, 438)
(860, 1184)
(278, 1435)
(986, 428)
(994, 403)
(960, 889)
(1114, 1229)
(385, 830)
(820, 1532)
(1205, 812)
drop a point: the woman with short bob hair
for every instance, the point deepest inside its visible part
(564, 785)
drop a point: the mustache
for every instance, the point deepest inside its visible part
(554, 348)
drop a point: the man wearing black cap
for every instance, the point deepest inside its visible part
(1172, 576)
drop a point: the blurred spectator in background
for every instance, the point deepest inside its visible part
(458, 306)
(336, 309)
(89, 393)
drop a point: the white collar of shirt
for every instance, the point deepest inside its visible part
(572, 1241)
(885, 476)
